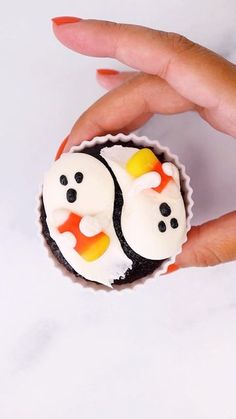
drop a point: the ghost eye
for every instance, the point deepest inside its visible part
(79, 177)
(63, 180)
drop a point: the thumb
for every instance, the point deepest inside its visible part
(211, 243)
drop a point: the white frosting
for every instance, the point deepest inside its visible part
(167, 168)
(147, 181)
(90, 226)
(66, 240)
(141, 214)
(95, 200)
(60, 216)
(171, 170)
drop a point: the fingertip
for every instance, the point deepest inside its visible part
(107, 72)
(64, 20)
(172, 268)
(67, 148)
(69, 143)
(107, 78)
(62, 148)
(65, 28)
(76, 136)
(110, 78)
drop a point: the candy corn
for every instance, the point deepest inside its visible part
(89, 248)
(144, 161)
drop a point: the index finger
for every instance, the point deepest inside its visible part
(198, 74)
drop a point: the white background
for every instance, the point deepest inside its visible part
(165, 349)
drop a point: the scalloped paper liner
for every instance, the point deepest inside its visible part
(186, 192)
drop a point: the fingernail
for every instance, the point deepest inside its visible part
(107, 72)
(61, 148)
(172, 268)
(63, 20)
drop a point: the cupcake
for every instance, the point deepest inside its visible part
(115, 209)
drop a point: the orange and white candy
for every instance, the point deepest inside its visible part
(145, 161)
(89, 248)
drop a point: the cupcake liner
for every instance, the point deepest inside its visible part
(186, 190)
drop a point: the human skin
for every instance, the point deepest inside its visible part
(172, 75)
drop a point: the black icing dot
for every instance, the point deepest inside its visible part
(71, 195)
(174, 223)
(79, 177)
(162, 226)
(165, 209)
(63, 180)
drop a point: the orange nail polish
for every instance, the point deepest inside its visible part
(172, 268)
(63, 20)
(61, 148)
(107, 72)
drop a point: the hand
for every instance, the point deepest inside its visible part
(175, 75)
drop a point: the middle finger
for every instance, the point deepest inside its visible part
(143, 94)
